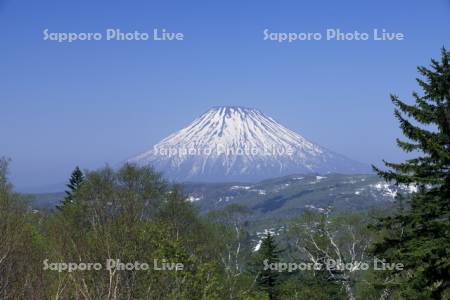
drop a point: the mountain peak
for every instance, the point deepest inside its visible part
(233, 109)
(229, 143)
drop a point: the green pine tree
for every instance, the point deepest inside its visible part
(75, 181)
(418, 236)
(267, 280)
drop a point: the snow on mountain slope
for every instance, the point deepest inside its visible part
(237, 143)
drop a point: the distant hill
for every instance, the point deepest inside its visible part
(287, 196)
(283, 197)
(45, 200)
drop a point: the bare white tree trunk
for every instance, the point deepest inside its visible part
(349, 291)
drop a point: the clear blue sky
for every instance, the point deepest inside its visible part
(91, 103)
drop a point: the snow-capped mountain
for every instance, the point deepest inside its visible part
(240, 144)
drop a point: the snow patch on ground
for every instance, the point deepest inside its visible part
(317, 179)
(263, 234)
(193, 199)
(226, 199)
(385, 189)
(390, 190)
(240, 187)
(319, 209)
(260, 192)
(258, 246)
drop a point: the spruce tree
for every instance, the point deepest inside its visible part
(75, 181)
(418, 237)
(267, 279)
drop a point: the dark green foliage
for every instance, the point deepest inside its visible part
(75, 181)
(267, 279)
(418, 236)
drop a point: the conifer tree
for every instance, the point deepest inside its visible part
(418, 237)
(267, 279)
(75, 181)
